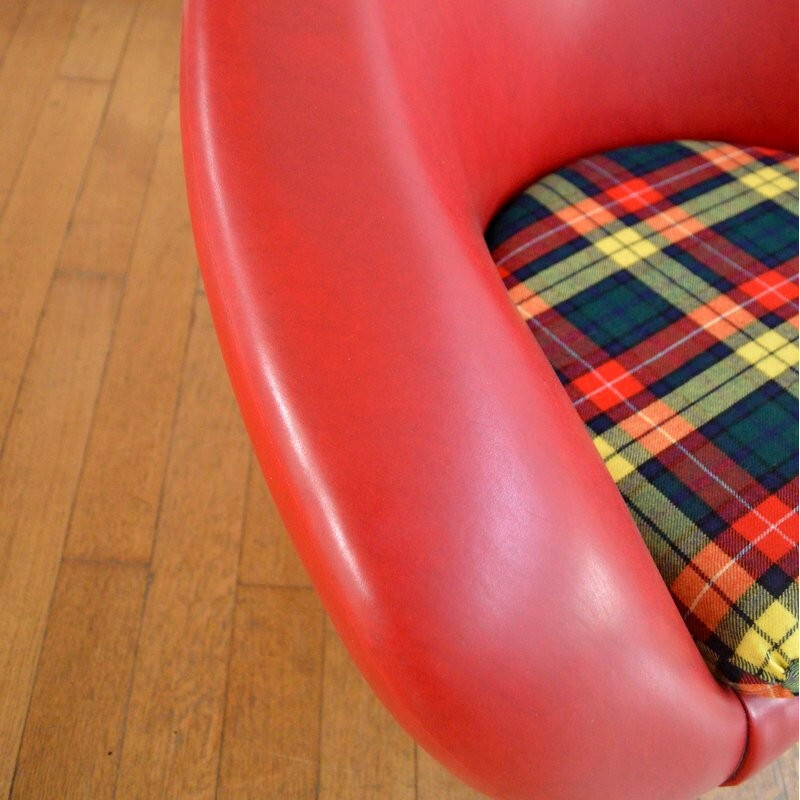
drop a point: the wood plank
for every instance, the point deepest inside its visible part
(38, 473)
(10, 15)
(268, 557)
(32, 227)
(434, 782)
(97, 40)
(70, 747)
(174, 723)
(117, 499)
(104, 222)
(271, 735)
(26, 73)
(365, 755)
(788, 767)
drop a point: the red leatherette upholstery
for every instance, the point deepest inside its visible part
(772, 727)
(343, 157)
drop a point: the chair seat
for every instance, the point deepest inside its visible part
(660, 282)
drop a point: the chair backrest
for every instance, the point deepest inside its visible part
(514, 89)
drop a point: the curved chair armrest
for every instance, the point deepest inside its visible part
(464, 536)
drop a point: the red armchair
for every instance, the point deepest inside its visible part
(343, 160)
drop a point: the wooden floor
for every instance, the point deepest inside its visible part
(158, 638)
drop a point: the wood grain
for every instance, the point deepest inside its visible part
(174, 724)
(33, 224)
(97, 39)
(115, 508)
(268, 557)
(38, 473)
(70, 747)
(271, 736)
(10, 15)
(29, 64)
(104, 221)
(364, 753)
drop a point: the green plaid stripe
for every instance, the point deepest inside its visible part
(661, 283)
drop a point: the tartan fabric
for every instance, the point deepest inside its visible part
(661, 283)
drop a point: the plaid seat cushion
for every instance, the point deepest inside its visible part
(660, 282)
